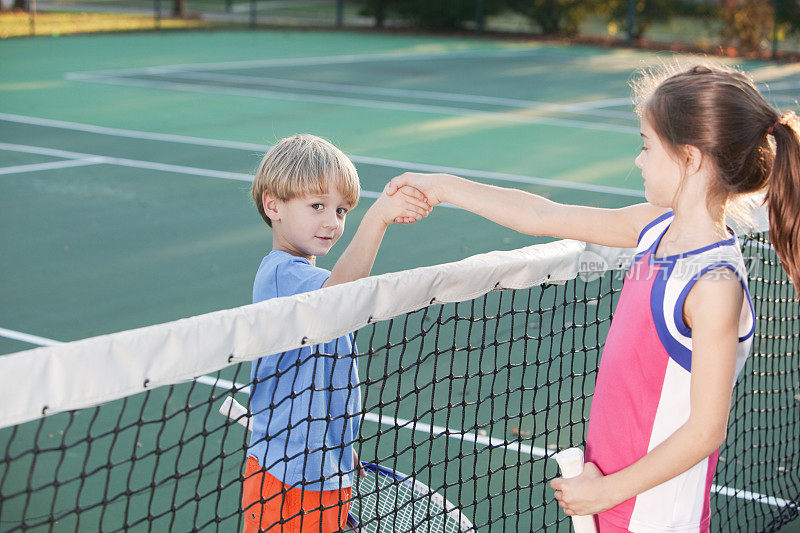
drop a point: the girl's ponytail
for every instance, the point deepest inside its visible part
(783, 194)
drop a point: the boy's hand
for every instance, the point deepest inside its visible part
(407, 205)
(358, 467)
(584, 494)
(425, 183)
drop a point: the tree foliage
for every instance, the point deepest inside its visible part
(554, 16)
(748, 23)
(179, 8)
(788, 16)
(377, 9)
(429, 14)
(646, 13)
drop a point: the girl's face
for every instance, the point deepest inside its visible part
(661, 172)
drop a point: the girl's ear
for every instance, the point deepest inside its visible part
(693, 159)
(271, 206)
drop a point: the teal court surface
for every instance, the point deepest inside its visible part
(126, 160)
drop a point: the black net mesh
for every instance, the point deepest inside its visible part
(469, 399)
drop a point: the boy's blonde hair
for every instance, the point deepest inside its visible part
(301, 165)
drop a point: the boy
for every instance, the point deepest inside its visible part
(306, 402)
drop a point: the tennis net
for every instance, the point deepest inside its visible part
(472, 375)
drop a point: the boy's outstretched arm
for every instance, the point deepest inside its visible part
(532, 214)
(407, 204)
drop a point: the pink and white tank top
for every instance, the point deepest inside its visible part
(643, 383)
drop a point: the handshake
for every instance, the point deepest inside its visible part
(408, 198)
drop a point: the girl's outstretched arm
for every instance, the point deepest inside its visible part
(712, 310)
(532, 214)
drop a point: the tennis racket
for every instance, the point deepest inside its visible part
(385, 500)
(570, 461)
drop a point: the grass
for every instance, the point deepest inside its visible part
(18, 23)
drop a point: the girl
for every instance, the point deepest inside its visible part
(684, 323)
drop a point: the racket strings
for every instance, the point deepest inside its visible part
(383, 503)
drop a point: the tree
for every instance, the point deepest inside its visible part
(554, 16)
(788, 16)
(646, 13)
(431, 14)
(179, 8)
(748, 22)
(377, 9)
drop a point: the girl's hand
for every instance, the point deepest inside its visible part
(583, 495)
(406, 206)
(425, 183)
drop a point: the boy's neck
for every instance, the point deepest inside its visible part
(277, 245)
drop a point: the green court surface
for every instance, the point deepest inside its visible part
(125, 160)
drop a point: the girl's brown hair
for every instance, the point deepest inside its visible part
(721, 112)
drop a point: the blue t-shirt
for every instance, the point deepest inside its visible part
(306, 403)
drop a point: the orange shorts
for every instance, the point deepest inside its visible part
(271, 506)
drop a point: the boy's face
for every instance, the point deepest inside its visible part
(308, 226)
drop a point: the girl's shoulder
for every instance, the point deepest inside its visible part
(644, 216)
(650, 221)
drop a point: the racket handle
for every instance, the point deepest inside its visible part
(235, 411)
(570, 461)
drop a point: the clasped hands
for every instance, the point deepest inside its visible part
(415, 188)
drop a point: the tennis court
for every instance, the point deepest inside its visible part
(124, 181)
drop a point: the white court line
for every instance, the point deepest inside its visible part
(501, 176)
(151, 165)
(41, 150)
(133, 163)
(595, 104)
(785, 99)
(366, 89)
(133, 134)
(514, 117)
(27, 337)
(433, 430)
(585, 108)
(329, 60)
(186, 70)
(779, 85)
(36, 167)
(377, 161)
(436, 431)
